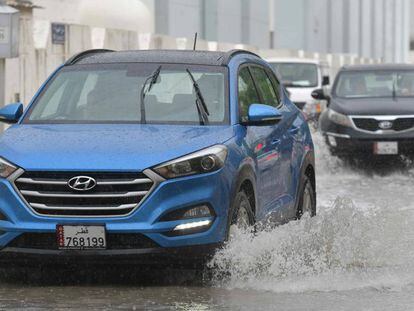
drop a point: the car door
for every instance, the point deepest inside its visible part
(279, 177)
(294, 144)
(262, 142)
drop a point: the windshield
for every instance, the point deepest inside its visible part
(385, 83)
(297, 74)
(110, 93)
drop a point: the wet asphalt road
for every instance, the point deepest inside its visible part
(355, 255)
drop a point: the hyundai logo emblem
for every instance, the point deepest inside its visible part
(385, 125)
(82, 183)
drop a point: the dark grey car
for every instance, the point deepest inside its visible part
(371, 110)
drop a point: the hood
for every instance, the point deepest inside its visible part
(373, 106)
(104, 147)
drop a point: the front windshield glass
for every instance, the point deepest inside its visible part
(110, 93)
(385, 83)
(297, 74)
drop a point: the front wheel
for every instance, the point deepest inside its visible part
(242, 216)
(307, 199)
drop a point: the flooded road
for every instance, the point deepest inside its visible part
(356, 254)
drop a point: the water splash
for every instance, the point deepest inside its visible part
(362, 236)
(340, 242)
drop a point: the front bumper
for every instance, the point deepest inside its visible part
(351, 140)
(186, 256)
(211, 189)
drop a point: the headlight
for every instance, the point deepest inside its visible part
(6, 168)
(204, 161)
(339, 118)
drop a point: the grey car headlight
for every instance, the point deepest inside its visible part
(339, 118)
(6, 168)
(204, 161)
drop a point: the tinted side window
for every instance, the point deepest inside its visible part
(265, 86)
(247, 92)
(275, 83)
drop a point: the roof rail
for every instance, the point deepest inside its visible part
(232, 53)
(77, 57)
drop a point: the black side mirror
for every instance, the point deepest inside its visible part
(325, 80)
(319, 94)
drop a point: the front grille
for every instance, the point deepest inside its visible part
(366, 124)
(403, 124)
(114, 241)
(371, 124)
(115, 194)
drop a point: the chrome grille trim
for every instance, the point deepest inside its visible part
(114, 197)
(44, 182)
(72, 195)
(99, 182)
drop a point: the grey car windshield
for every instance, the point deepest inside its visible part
(297, 74)
(383, 83)
(111, 93)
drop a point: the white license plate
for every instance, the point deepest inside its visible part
(77, 237)
(386, 147)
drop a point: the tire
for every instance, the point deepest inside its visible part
(307, 199)
(242, 215)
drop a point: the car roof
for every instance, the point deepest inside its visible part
(378, 67)
(156, 56)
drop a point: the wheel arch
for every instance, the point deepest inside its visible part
(245, 180)
(307, 169)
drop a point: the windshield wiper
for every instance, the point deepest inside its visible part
(202, 110)
(152, 79)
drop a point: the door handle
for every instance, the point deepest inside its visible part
(294, 130)
(275, 142)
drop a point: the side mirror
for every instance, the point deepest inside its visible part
(325, 80)
(263, 115)
(11, 113)
(319, 94)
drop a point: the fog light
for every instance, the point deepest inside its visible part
(197, 212)
(332, 141)
(193, 225)
(201, 211)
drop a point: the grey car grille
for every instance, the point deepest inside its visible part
(372, 124)
(115, 194)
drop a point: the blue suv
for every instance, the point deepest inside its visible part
(151, 154)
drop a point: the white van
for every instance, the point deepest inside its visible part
(301, 76)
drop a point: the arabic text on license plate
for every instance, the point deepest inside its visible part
(78, 237)
(386, 147)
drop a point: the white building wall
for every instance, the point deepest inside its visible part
(63, 11)
(178, 18)
(229, 16)
(285, 33)
(335, 25)
(378, 31)
(316, 28)
(368, 28)
(388, 47)
(258, 23)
